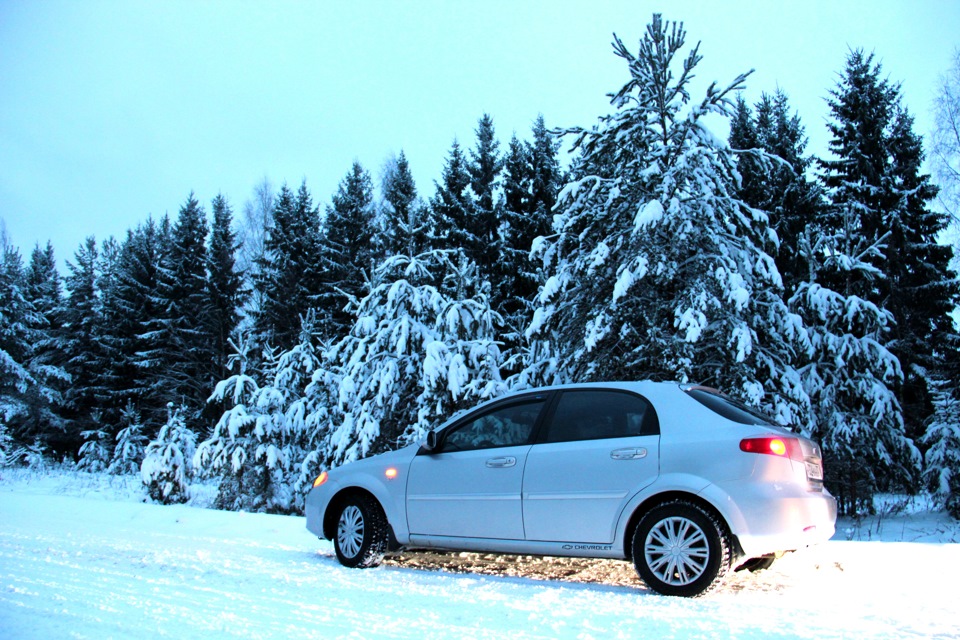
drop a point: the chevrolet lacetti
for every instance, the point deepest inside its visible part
(685, 482)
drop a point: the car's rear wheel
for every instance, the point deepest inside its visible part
(361, 538)
(681, 549)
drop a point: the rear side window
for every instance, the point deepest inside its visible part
(730, 408)
(592, 415)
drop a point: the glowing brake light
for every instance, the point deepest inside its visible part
(320, 479)
(773, 446)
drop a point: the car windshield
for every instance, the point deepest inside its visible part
(729, 408)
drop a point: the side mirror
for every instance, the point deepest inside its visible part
(433, 441)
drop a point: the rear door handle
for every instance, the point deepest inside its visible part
(631, 453)
(501, 463)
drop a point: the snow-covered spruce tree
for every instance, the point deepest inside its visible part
(403, 221)
(417, 351)
(81, 348)
(183, 293)
(874, 183)
(773, 169)
(129, 450)
(531, 181)
(94, 455)
(656, 269)
(257, 445)
(29, 384)
(484, 169)
(942, 441)
(225, 290)
(347, 250)
(289, 275)
(849, 378)
(137, 355)
(167, 466)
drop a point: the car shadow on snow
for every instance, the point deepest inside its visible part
(615, 576)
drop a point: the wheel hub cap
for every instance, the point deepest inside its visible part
(350, 531)
(676, 550)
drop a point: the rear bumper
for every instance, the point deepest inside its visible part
(787, 523)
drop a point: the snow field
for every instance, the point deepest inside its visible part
(96, 563)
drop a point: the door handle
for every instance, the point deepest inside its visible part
(501, 463)
(628, 454)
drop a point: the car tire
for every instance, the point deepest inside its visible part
(361, 537)
(681, 549)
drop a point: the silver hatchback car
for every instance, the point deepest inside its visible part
(686, 482)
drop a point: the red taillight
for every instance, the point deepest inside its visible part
(320, 479)
(773, 446)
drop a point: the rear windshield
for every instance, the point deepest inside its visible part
(729, 408)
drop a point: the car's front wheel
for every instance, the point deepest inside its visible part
(680, 549)
(361, 538)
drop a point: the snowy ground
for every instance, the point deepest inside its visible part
(82, 557)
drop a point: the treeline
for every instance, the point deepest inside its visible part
(261, 351)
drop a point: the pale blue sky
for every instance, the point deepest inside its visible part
(113, 110)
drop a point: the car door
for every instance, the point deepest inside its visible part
(598, 449)
(470, 485)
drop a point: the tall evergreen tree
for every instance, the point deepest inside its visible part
(530, 185)
(29, 385)
(183, 290)
(484, 168)
(875, 185)
(225, 290)
(82, 351)
(657, 269)
(773, 169)
(290, 275)
(454, 206)
(42, 290)
(416, 353)
(347, 248)
(138, 351)
(404, 219)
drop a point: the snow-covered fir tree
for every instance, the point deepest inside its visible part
(30, 383)
(131, 442)
(183, 294)
(875, 184)
(417, 351)
(454, 206)
(942, 442)
(404, 220)
(531, 181)
(289, 275)
(225, 290)
(167, 467)
(138, 354)
(94, 454)
(259, 442)
(81, 349)
(773, 167)
(348, 249)
(656, 269)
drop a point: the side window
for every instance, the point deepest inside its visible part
(591, 415)
(504, 427)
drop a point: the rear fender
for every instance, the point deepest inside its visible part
(671, 486)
